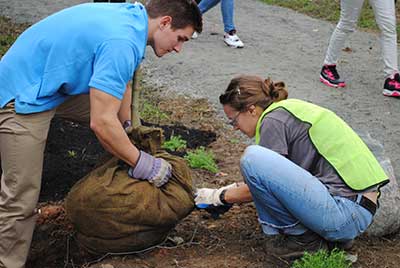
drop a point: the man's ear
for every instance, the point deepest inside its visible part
(165, 21)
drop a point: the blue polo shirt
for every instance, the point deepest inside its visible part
(88, 45)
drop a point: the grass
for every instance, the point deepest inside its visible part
(152, 113)
(330, 10)
(323, 259)
(71, 154)
(200, 158)
(234, 141)
(8, 33)
(5, 43)
(175, 143)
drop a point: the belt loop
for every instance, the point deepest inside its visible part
(358, 200)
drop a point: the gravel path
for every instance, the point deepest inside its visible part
(279, 43)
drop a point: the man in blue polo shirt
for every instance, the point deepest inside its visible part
(77, 64)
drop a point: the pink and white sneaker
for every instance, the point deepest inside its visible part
(391, 88)
(330, 77)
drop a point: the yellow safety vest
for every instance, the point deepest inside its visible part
(344, 150)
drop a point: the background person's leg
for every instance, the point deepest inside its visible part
(22, 143)
(230, 36)
(206, 5)
(349, 13)
(386, 20)
(227, 11)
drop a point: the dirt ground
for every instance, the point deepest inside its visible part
(233, 240)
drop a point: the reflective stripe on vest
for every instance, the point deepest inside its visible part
(345, 150)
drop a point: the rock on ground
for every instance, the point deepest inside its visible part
(387, 218)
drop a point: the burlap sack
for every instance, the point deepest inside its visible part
(112, 212)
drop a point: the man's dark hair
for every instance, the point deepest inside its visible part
(183, 12)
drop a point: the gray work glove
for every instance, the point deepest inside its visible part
(156, 170)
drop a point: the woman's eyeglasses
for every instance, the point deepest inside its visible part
(233, 122)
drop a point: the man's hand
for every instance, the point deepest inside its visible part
(156, 170)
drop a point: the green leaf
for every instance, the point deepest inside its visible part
(203, 159)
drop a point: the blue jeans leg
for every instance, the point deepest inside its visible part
(227, 9)
(206, 5)
(290, 200)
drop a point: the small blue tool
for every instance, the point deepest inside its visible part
(215, 211)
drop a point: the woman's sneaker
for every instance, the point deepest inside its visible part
(391, 88)
(232, 40)
(292, 247)
(344, 245)
(330, 77)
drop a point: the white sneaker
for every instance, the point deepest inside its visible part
(233, 40)
(195, 35)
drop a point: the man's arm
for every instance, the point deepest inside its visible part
(105, 121)
(124, 113)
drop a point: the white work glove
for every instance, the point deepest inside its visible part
(208, 196)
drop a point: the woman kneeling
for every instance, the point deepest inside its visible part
(311, 177)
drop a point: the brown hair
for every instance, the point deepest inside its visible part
(246, 90)
(183, 12)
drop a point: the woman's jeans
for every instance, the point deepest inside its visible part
(385, 19)
(227, 9)
(289, 200)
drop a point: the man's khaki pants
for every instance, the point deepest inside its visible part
(22, 143)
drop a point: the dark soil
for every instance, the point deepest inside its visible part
(72, 151)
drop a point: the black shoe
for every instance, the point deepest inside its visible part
(294, 246)
(347, 245)
(330, 77)
(391, 88)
